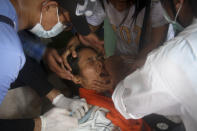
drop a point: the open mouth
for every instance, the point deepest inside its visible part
(106, 77)
(104, 74)
(108, 82)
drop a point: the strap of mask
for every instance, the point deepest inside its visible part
(58, 15)
(40, 17)
(178, 12)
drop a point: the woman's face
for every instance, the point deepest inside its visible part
(93, 74)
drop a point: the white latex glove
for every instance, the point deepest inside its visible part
(78, 107)
(58, 119)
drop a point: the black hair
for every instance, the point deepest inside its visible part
(193, 5)
(73, 62)
(139, 5)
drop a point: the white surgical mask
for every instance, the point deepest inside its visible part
(41, 32)
(177, 27)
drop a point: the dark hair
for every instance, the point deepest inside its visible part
(73, 62)
(139, 5)
(193, 5)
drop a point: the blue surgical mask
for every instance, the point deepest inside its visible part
(41, 32)
(176, 26)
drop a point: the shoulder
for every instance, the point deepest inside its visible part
(11, 51)
(157, 18)
(9, 39)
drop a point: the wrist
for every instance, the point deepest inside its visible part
(53, 94)
(37, 123)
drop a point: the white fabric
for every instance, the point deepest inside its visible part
(98, 15)
(171, 33)
(57, 119)
(78, 107)
(96, 122)
(166, 84)
(128, 33)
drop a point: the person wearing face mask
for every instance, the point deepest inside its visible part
(80, 27)
(166, 84)
(38, 17)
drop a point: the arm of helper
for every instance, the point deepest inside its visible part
(32, 45)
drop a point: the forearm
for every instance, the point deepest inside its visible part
(32, 45)
(17, 125)
(158, 36)
(52, 94)
(38, 124)
(73, 42)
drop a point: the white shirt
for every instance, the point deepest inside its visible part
(129, 32)
(166, 84)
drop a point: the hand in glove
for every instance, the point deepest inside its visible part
(57, 119)
(78, 107)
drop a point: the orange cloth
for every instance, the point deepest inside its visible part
(94, 98)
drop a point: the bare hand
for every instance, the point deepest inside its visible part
(90, 39)
(53, 60)
(93, 41)
(73, 43)
(100, 86)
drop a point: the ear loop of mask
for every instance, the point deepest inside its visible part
(58, 19)
(174, 10)
(178, 13)
(44, 3)
(57, 16)
(41, 18)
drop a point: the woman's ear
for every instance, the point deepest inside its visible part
(77, 79)
(179, 3)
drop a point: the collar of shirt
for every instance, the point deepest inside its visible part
(8, 10)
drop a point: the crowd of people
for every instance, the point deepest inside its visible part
(153, 69)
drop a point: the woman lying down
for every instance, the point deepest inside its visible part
(94, 75)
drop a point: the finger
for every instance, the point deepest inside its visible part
(100, 42)
(65, 75)
(64, 56)
(57, 56)
(84, 41)
(54, 66)
(82, 112)
(77, 114)
(60, 111)
(74, 54)
(99, 82)
(85, 105)
(99, 85)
